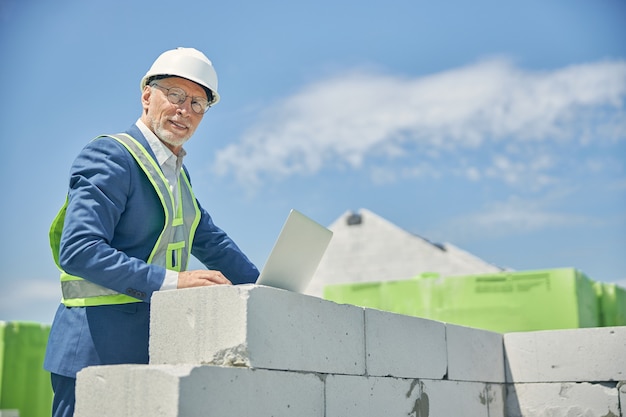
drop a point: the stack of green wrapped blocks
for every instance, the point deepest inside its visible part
(504, 302)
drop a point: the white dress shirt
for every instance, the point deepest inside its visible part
(170, 165)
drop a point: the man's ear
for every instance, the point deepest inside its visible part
(145, 97)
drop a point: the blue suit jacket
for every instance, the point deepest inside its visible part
(113, 220)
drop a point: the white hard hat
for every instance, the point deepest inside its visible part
(187, 63)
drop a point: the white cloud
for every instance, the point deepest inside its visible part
(29, 294)
(514, 172)
(33, 300)
(351, 119)
(621, 283)
(514, 216)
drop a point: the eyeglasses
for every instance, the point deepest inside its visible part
(177, 95)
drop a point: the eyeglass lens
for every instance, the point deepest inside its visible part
(177, 96)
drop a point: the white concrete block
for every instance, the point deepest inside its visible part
(403, 346)
(196, 391)
(474, 354)
(562, 399)
(495, 399)
(374, 396)
(9, 413)
(258, 327)
(576, 355)
(467, 399)
(390, 397)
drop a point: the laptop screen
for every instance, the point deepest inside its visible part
(296, 253)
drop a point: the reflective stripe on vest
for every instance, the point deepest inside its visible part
(171, 250)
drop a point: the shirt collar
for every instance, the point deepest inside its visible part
(162, 152)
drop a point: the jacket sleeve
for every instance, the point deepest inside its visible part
(101, 182)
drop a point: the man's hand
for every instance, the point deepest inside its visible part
(201, 278)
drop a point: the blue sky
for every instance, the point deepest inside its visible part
(499, 127)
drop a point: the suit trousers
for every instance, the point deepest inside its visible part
(64, 395)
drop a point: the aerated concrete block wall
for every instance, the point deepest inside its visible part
(257, 351)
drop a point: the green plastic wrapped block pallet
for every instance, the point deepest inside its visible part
(417, 296)
(612, 304)
(550, 299)
(24, 385)
(562, 298)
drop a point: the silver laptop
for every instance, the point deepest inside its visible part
(296, 254)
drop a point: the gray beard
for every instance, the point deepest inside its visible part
(167, 137)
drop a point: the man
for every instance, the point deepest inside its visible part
(129, 225)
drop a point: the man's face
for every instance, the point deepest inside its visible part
(173, 124)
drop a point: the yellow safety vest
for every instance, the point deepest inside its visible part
(171, 250)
